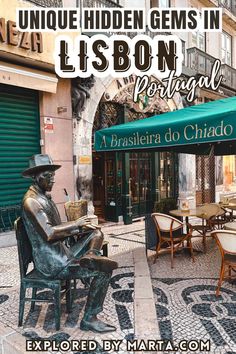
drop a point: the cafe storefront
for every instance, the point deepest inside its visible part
(126, 186)
(208, 129)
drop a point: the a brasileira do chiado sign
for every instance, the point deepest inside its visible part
(206, 123)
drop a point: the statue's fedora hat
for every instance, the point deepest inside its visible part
(39, 163)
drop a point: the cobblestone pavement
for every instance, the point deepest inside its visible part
(186, 305)
(118, 306)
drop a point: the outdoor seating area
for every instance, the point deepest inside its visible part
(208, 221)
(186, 302)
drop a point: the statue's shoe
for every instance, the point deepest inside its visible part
(93, 262)
(96, 326)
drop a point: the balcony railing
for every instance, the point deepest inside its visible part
(47, 3)
(199, 61)
(100, 3)
(202, 63)
(85, 3)
(229, 74)
(228, 5)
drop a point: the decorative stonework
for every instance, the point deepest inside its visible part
(124, 92)
(80, 93)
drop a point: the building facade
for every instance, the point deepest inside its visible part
(36, 115)
(35, 111)
(213, 177)
(124, 186)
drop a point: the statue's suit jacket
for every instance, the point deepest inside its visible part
(43, 224)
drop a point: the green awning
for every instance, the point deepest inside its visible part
(191, 130)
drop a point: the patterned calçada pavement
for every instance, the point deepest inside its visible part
(186, 305)
(118, 306)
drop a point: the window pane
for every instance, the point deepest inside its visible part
(163, 3)
(201, 42)
(226, 48)
(223, 56)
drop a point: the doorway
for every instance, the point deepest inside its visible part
(98, 185)
(140, 183)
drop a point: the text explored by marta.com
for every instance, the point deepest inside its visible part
(131, 345)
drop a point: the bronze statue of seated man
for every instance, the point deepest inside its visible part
(51, 257)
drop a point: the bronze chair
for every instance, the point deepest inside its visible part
(170, 232)
(226, 241)
(32, 279)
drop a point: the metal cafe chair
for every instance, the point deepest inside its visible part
(226, 241)
(32, 279)
(170, 232)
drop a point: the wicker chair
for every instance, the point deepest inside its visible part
(232, 203)
(226, 241)
(221, 218)
(212, 216)
(170, 232)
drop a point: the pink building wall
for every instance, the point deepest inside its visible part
(58, 142)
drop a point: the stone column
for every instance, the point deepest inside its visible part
(187, 179)
(83, 166)
(82, 133)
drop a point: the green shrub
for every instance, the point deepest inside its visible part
(165, 205)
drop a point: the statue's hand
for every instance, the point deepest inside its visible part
(84, 221)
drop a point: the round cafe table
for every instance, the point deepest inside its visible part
(230, 226)
(183, 213)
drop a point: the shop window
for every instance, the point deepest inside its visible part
(226, 48)
(167, 175)
(229, 173)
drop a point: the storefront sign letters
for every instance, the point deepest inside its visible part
(25, 40)
(191, 133)
(121, 83)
